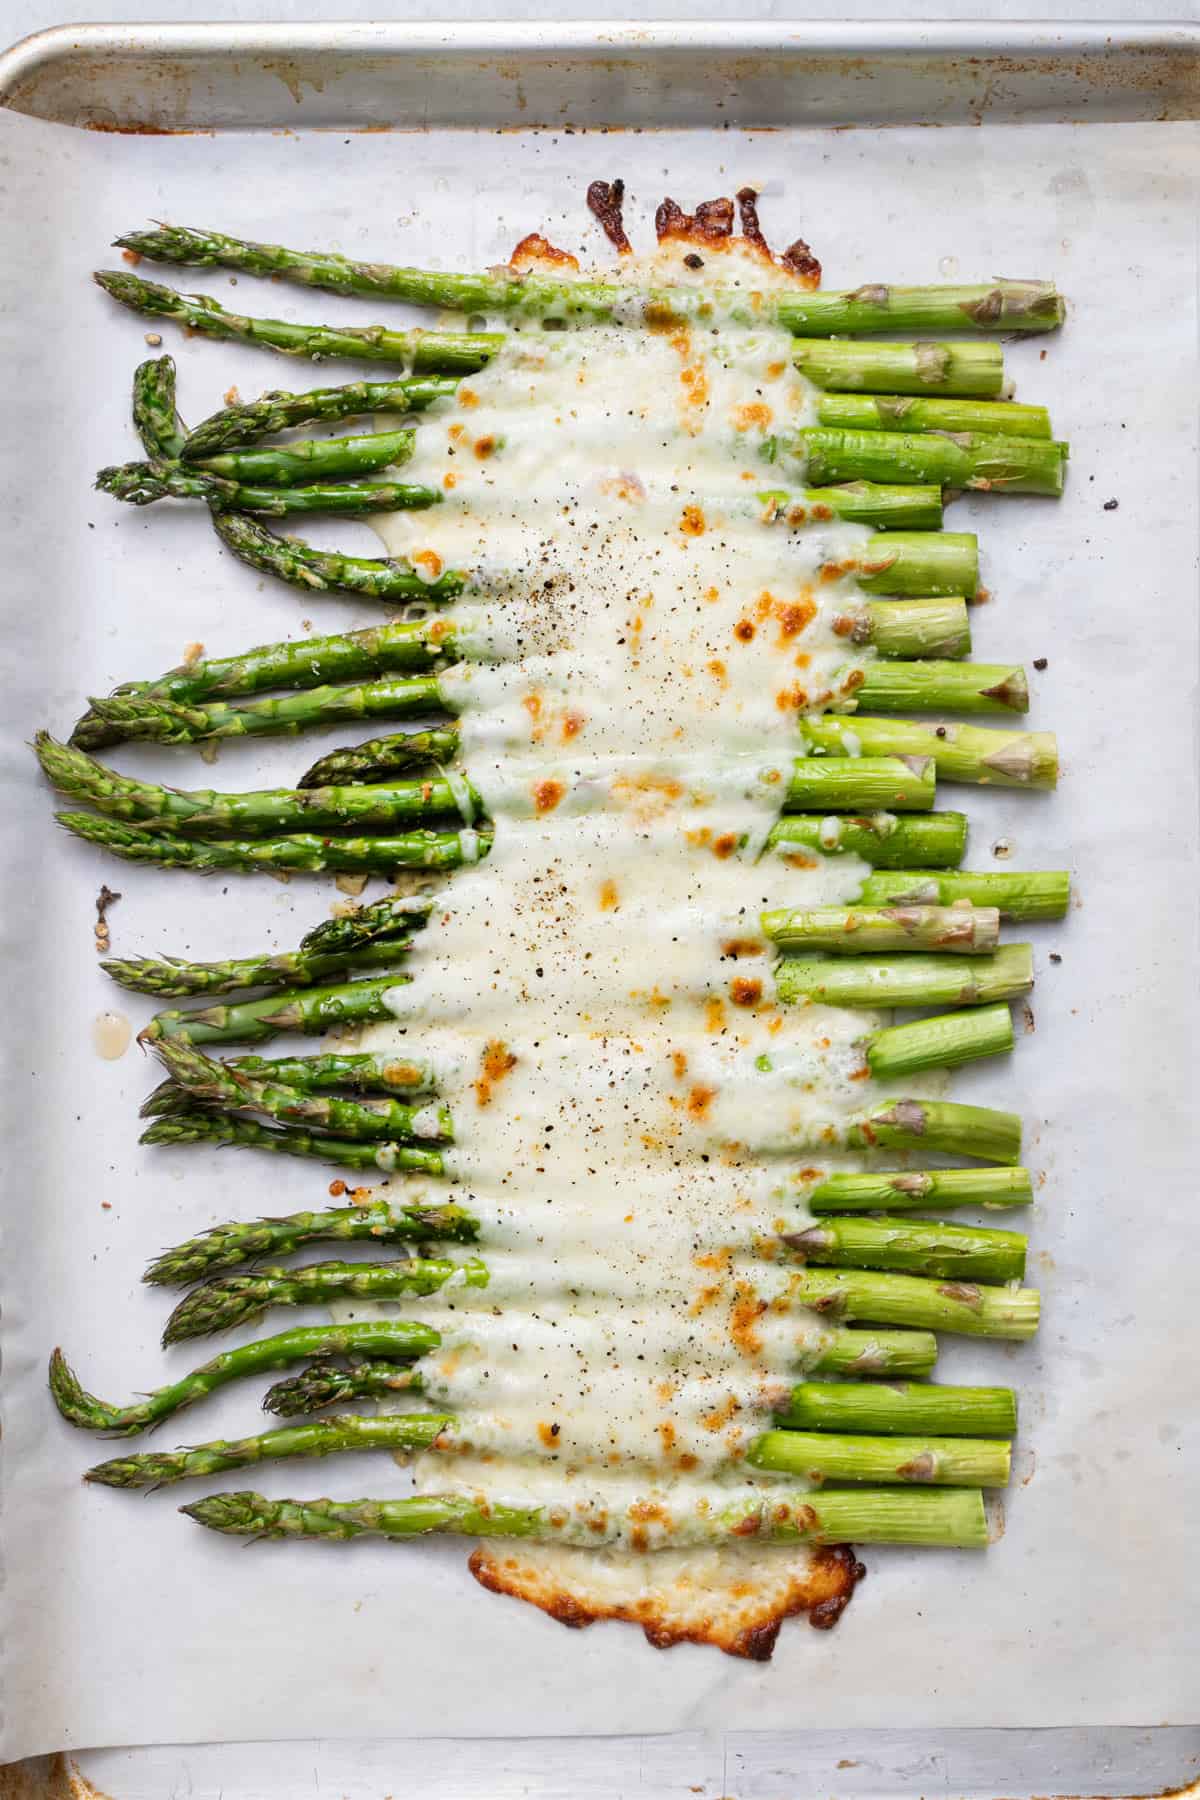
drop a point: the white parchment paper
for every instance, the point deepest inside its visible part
(123, 1623)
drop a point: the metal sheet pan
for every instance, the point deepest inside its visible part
(122, 593)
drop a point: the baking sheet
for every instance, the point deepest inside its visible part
(125, 1624)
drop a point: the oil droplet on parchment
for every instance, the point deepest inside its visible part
(948, 265)
(111, 1032)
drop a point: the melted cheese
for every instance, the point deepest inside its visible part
(596, 996)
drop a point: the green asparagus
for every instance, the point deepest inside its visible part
(378, 1222)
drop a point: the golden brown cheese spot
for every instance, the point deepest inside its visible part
(337, 1189)
(449, 479)
(747, 1310)
(624, 486)
(754, 417)
(534, 249)
(745, 992)
(430, 562)
(693, 522)
(700, 1099)
(496, 1062)
(547, 794)
(714, 1014)
(736, 947)
(456, 432)
(610, 898)
(548, 1434)
(795, 616)
(679, 1064)
(668, 1434)
(724, 845)
(572, 725)
(485, 447)
(467, 397)
(800, 859)
(793, 699)
(744, 630)
(719, 672)
(719, 1417)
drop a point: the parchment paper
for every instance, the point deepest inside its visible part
(122, 1622)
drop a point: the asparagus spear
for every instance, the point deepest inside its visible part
(311, 459)
(868, 366)
(960, 930)
(307, 1009)
(329, 571)
(361, 1072)
(154, 415)
(886, 841)
(917, 563)
(202, 812)
(203, 1127)
(380, 1222)
(908, 412)
(962, 459)
(888, 506)
(996, 306)
(250, 421)
(329, 1383)
(942, 1125)
(844, 1351)
(414, 1431)
(397, 753)
(902, 784)
(897, 1407)
(231, 1300)
(926, 1461)
(170, 978)
(942, 1042)
(952, 1517)
(907, 980)
(953, 1462)
(213, 1083)
(907, 628)
(298, 853)
(928, 1303)
(401, 647)
(421, 352)
(970, 753)
(959, 687)
(399, 1340)
(141, 484)
(1043, 894)
(931, 1189)
(913, 1247)
(393, 916)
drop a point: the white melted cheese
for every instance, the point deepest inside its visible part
(596, 994)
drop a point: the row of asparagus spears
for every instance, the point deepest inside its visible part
(897, 424)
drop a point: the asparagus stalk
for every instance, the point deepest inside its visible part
(854, 365)
(393, 916)
(952, 1517)
(299, 853)
(231, 1300)
(899, 783)
(954, 1462)
(1043, 894)
(971, 753)
(400, 648)
(960, 930)
(154, 415)
(250, 421)
(907, 980)
(913, 1247)
(942, 1042)
(995, 306)
(325, 1437)
(908, 412)
(204, 1127)
(935, 840)
(396, 753)
(307, 1009)
(310, 459)
(888, 506)
(930, 1189)
(420, 352)
(398, 1340)
(362, 1072)
(213, 1083)
(141, 484)
(917, 563)
(171, 978)
(998, 464)
(959, 687)
(202, 812)
(380, 1222)
(845, 1351)
(907, 628)
(330, 571)
(899, 1407)
(329, 1383)
(942, 1125)
(928, 1303)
